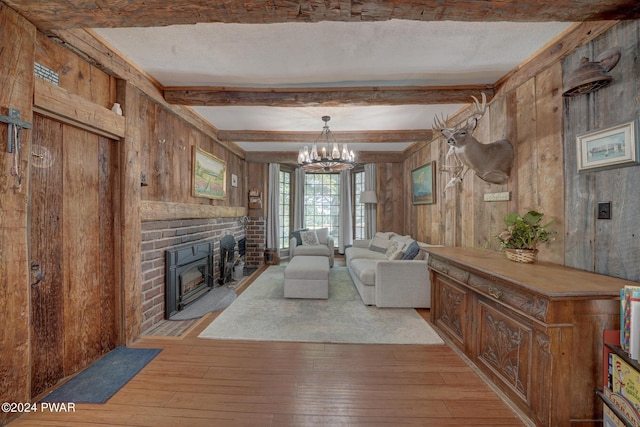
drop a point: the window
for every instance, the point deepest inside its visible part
(322, 202)
(358, 208)
(284, 208)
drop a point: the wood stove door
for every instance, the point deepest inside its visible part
(71, 249)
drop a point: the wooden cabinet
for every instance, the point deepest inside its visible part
(534, 330)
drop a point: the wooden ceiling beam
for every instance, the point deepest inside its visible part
(325, 97)
(350, 137)
(67, 14)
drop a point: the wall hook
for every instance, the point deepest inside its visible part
(13, 120)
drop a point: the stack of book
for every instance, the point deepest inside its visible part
(622, 393)
(621, 388)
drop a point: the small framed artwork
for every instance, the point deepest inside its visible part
(612, 147)
(255, 199)
(423, 181)
(234, 180)
(208, 175)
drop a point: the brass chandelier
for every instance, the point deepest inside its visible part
(329, 157)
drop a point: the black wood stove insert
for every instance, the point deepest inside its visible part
(189, 275)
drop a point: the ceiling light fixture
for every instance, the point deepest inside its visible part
(328, 157)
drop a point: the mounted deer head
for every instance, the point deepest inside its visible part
(492, 162)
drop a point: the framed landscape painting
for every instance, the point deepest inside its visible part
(209, 175)
(423, 181)
(612, 147)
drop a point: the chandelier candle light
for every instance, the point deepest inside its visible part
(330, 158)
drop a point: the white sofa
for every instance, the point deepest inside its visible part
(383, 278)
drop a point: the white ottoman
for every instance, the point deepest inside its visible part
(307, 277)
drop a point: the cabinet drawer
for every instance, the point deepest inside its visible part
(448, 270)
(528, 304)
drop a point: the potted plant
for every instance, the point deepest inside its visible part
(523, 234)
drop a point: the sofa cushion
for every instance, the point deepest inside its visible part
(365, 269)
(394, 251)
(296, 234)
(379, 244)
(412, 251)
(404, 241)
(384, 234)
(323, 235)
(360, 253)
(315, 250)
(309, 238)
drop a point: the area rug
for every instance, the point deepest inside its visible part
(105, 377)
(261, 313)
(214, 300)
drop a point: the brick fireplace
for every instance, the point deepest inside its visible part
(161, 236)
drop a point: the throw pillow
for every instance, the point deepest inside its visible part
(296, 234)
(323, 235)
(394, 251)
(384, 235)
(309, 238)
(379, 245)
(412, 251)
(404, 240)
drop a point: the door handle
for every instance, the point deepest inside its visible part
(35, 267)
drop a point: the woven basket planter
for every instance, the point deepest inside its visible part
(522, 255)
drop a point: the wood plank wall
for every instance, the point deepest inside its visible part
(97, 89)
(610, 247)
(391, 199)
(166, 158)
(76, 75)
(543, 125)
(17, 45)
(530, 117)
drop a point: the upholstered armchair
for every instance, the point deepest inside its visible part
(312, 243)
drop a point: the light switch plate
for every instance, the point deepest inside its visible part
(604, 210)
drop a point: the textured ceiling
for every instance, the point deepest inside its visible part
(330, 54)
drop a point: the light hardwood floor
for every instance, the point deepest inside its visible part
(199, 382)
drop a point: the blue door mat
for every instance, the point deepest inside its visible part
(100, 381)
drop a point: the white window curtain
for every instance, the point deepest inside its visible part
(370, 217)
(298, 200)
(346, 217)
(273, 219)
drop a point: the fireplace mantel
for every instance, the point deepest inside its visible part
(162, 211)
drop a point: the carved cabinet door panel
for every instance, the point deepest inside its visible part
(452, 310)
(504, 349)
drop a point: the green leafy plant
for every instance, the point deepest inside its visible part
(525, 232)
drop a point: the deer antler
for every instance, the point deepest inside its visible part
(480, 107)
(440, 123)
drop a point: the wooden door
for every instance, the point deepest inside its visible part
(72, 250)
